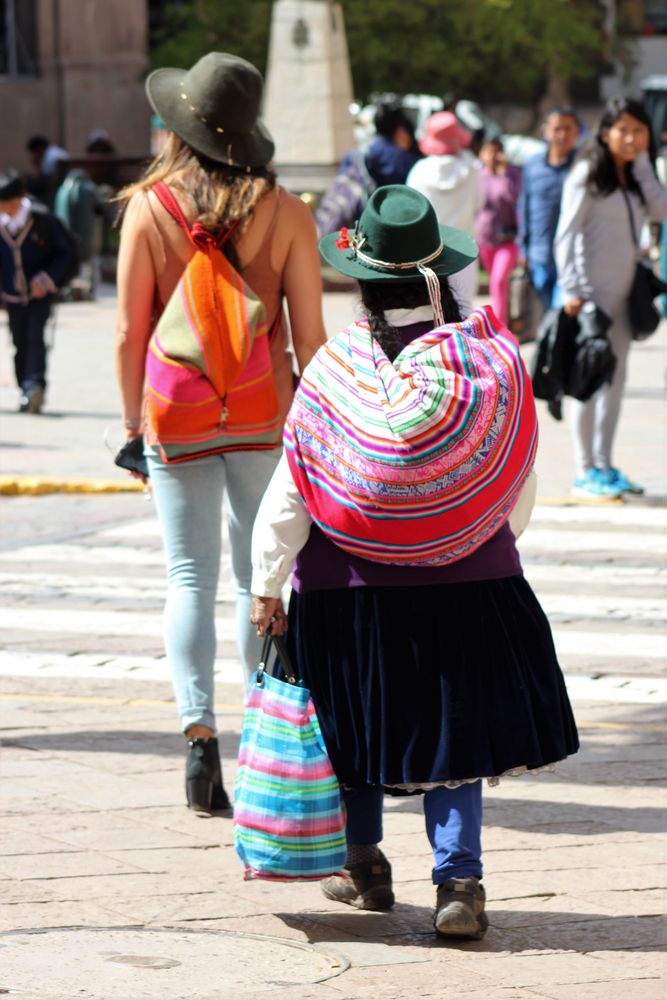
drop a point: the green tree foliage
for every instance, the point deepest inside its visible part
(482, 49)
(191, 28)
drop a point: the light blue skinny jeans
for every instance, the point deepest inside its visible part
(188, 497)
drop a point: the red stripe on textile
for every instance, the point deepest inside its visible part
(296, 827)
(282, 769)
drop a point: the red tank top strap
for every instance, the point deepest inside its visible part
(168, 202)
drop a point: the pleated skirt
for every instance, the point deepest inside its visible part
(432, 684)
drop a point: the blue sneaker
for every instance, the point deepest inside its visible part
(593, 486)
(625, 485)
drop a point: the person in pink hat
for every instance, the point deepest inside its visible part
(449, 177)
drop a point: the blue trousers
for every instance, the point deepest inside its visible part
(545, 282)
(453, 824)
(27, 325)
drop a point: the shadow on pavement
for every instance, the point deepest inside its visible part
(120, 741)
(510, 930)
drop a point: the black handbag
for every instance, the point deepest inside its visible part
(646, 286)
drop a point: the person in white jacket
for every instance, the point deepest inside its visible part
(449, 177)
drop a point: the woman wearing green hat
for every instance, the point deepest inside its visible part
(211, 180)
(408, 455)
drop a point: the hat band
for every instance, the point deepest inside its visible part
(385, 265)
(432, 281)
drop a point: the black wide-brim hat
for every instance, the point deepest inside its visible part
(214, 108)
(398, 231)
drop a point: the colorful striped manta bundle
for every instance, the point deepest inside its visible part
(420, 460)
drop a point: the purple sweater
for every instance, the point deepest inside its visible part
(323, 565)
(497, 218)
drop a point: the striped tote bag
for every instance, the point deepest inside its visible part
(289, 819)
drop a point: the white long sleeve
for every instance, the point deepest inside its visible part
(523, 508)
(574, 211)
(655, 195)
(281, 530)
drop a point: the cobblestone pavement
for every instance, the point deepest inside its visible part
(133, 896)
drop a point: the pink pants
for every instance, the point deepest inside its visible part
(499, 262)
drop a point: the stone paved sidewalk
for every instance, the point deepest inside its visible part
(137, 897)
(110, 888)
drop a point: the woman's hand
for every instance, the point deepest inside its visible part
(268, 613)
(572, 307)
(134, 433)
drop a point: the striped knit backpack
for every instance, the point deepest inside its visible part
(209, 386)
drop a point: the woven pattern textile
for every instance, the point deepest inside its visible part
(289, 821)
(420, 460)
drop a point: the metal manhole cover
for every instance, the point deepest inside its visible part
(114, 963)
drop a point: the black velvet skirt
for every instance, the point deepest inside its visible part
(432, 684)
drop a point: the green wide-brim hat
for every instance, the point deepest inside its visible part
(398, 230)
(214, 108)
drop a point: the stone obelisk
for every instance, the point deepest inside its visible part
(308, 92)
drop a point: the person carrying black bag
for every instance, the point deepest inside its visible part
(611, 191)
(573, 357)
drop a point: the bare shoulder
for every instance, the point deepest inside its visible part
(137, 214)
(295, 212)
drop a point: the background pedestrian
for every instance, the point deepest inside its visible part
(539, 202)
(449, 177)
(496, 223)
(612, 189)
(34, 259)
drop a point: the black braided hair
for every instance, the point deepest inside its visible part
(377, 296)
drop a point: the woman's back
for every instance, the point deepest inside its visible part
(269, 250)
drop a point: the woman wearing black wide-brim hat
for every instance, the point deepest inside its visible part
(212, 182)
(407, 467)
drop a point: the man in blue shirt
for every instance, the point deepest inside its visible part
(539, 203)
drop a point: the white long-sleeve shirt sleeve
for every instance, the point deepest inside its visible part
(523, 509)
(281, 530)
(574, 207)
(655, 195)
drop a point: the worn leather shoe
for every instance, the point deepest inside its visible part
(366, 885)
(459, 909)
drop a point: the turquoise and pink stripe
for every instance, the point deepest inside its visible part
(289, 821)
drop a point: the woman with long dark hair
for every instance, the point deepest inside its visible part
(408, 456)
(211, 183)
(611, 191)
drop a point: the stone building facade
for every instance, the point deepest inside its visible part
(68, 67)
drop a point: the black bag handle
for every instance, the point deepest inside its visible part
(282, 657)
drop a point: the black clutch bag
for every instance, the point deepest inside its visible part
(131, 456)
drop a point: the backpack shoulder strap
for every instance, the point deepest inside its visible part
(170, 204)
(198, 235)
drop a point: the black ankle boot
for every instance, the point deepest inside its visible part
(203, 777)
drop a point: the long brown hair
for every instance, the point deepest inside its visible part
(223, 195)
